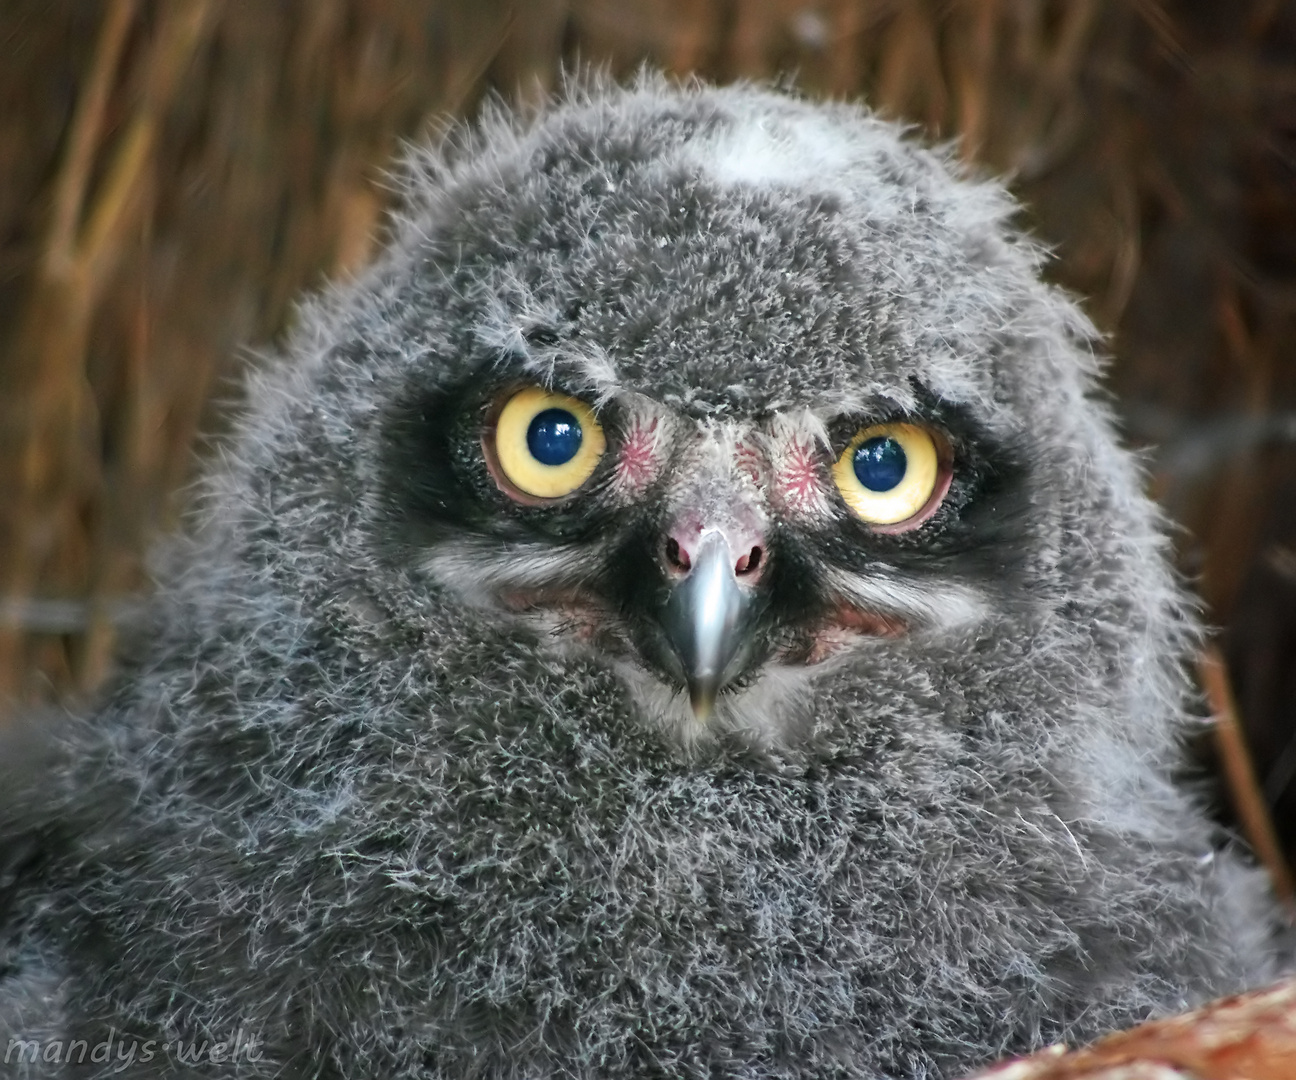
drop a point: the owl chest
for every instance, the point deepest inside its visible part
(777, 871)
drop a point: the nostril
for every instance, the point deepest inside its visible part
(677, 556)
(749, 563)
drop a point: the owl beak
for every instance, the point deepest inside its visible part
(706, 619)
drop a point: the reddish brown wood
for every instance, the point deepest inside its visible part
(1247, 1037)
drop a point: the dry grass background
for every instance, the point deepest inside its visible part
(173, 173)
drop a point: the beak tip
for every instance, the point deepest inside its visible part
(702, 699)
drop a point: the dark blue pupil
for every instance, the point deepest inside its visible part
(880, 463)
(553, 437)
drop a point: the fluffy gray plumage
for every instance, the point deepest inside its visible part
(401, 777)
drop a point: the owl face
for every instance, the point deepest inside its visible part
(689, 406)
(720, 561)
(711, 552)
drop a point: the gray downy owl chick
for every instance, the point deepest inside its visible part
(681, 613)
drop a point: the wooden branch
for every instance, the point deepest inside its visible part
(1246, 1037)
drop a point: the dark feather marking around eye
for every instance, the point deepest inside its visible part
(435, 483)
(981, 530)
(422, 490)
(793, 585)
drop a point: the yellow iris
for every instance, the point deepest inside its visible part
(547, 445)
(887, 472)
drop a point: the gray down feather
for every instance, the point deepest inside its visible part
(398, 779)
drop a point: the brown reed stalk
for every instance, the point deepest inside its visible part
(1240, 778)
(179, 33)
(53, 416)
(46, 404)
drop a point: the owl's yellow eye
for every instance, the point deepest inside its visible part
(546, 445)
(888, 473)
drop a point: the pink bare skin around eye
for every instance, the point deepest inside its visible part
(638, 462)
(800, 480)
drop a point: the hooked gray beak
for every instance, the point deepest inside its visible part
(707, 618)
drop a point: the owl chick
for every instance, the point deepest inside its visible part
(680, 613)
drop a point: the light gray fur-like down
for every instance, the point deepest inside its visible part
(338, 800)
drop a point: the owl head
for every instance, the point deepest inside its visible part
(728, 392)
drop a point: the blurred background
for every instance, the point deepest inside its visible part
(173, 173)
